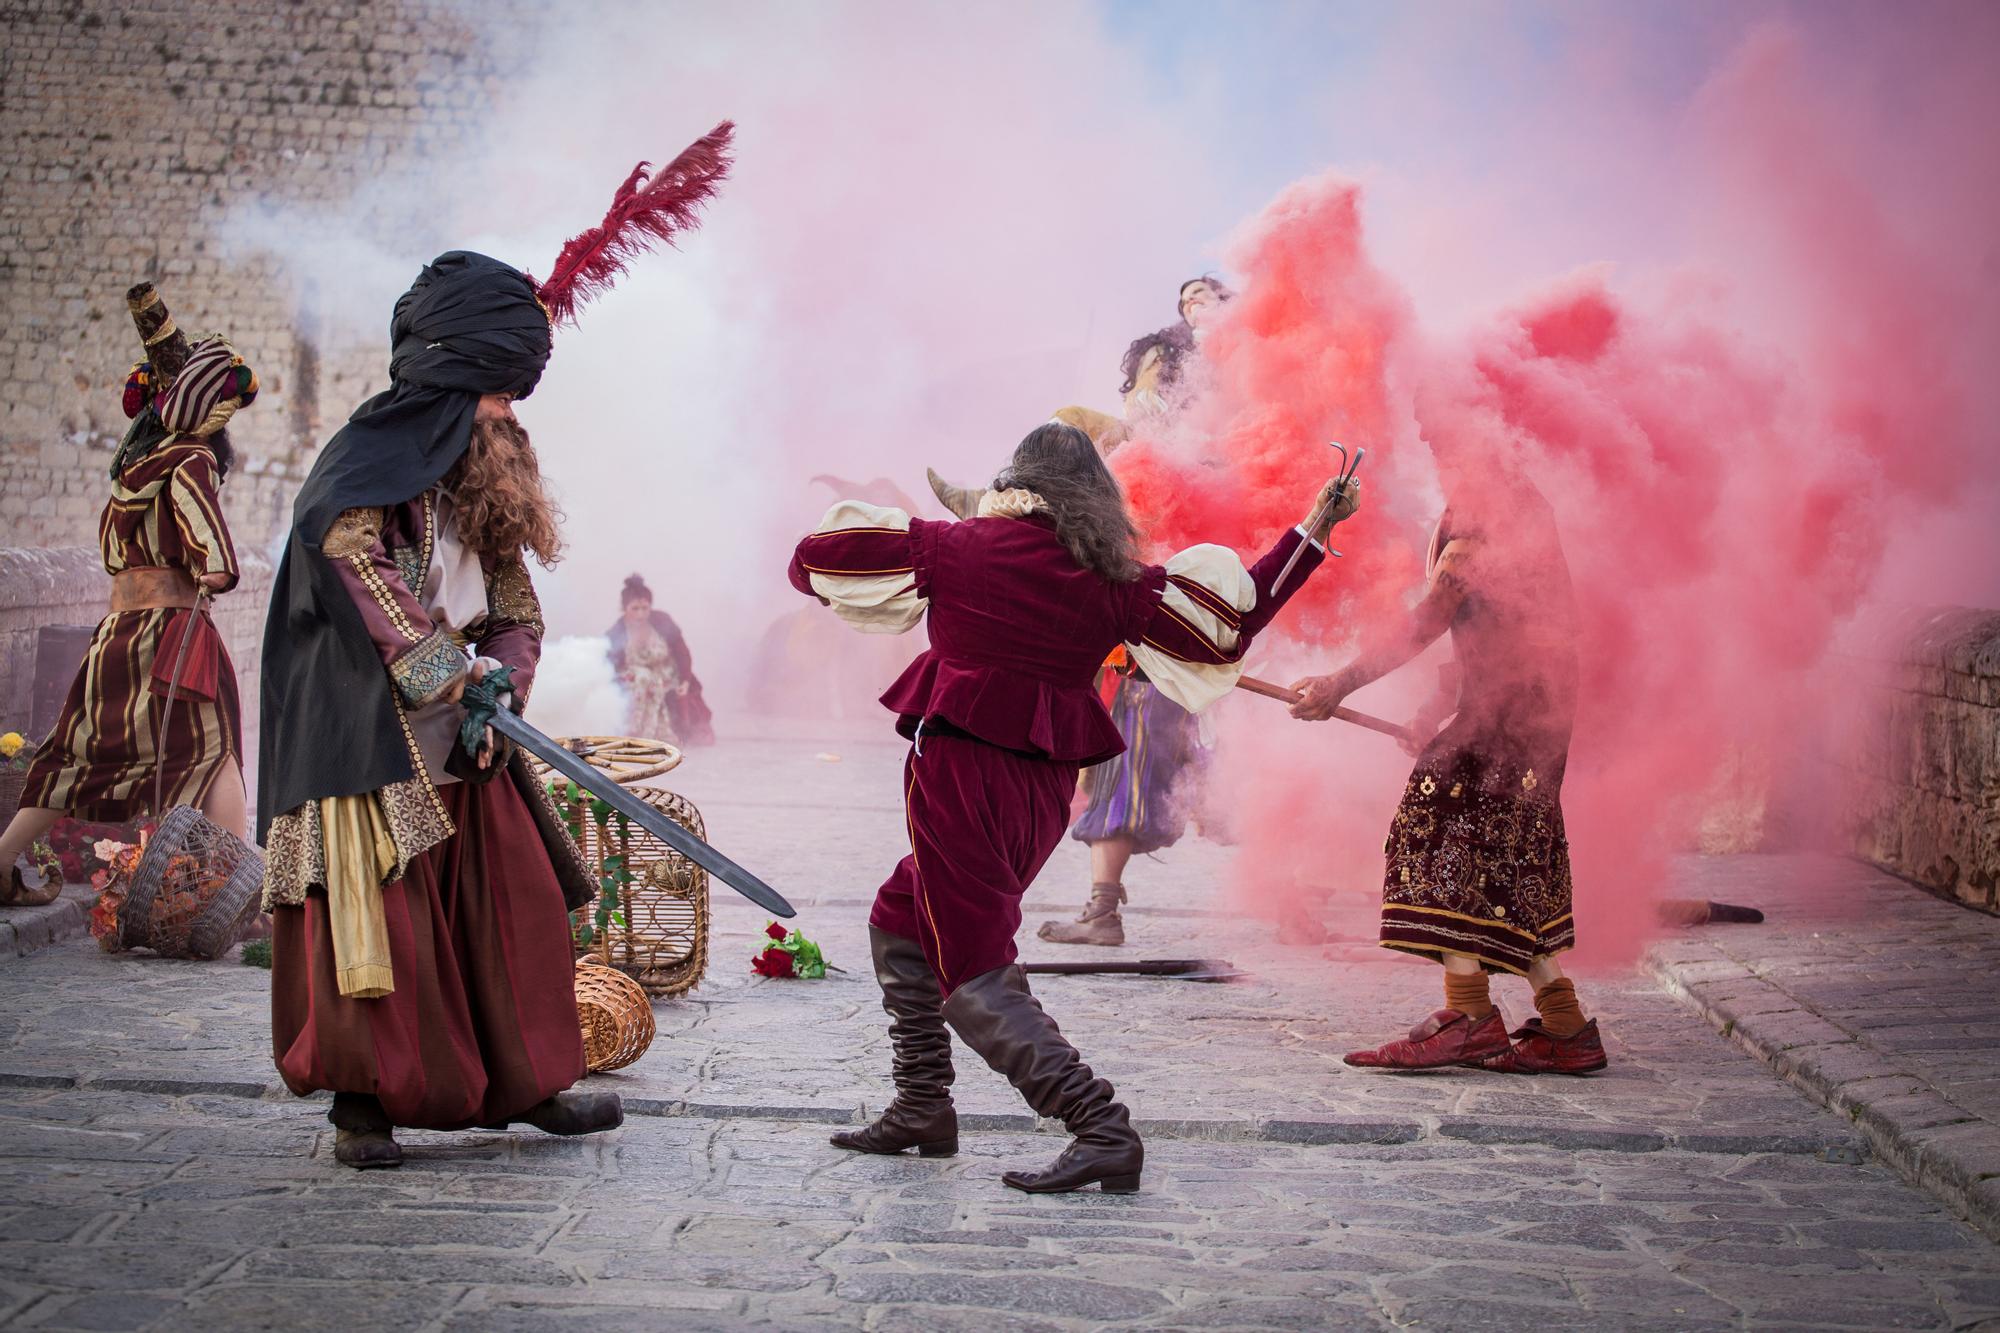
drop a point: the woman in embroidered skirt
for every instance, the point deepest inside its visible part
(164, 540)
(1478, 870)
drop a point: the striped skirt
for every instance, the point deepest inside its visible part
(482, 1022)
(99, 759)
(1143, 794)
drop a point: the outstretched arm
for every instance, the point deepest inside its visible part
(1192, 646)
(862, 562)
(1399, 643)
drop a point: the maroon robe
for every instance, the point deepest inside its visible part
(482, 1022)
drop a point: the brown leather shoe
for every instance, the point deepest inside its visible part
(998, 1016)
(1444, 1039)
(921, 1116)
(30, 887)
(571, 1112)
(366, 1150)
(362, 1135)
(1099, 923)
(1536, 1050)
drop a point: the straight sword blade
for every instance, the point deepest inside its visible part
(601, 785)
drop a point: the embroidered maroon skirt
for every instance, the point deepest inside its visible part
(482, 1023)
(1478, 863)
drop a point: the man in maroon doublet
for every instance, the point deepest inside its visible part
(1022, 603)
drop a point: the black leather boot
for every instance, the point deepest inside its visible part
(571, 1112)
(363, 1138)
(998, 1016)
(921, 1116)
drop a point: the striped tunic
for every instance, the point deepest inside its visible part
(98, 761)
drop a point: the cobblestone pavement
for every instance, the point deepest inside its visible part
(1875, 999)
(152, 1175)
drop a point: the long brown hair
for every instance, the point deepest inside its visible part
(1060, 464)
(503, 507)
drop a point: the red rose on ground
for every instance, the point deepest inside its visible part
(776, 932)
(772, 963)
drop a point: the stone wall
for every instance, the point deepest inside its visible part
(68, 586)
(128, 134)
(1924, 764)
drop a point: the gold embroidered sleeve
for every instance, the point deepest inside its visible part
(510, 595)
(355, 532)
(428, 669)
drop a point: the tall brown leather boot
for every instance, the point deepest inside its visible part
(921, 1116)
(1099, 923)
(999, 1017)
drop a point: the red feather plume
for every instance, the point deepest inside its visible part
(643, 212)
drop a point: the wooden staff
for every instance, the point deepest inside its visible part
(1279, 692)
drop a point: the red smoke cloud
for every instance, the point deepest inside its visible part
(1725, 494)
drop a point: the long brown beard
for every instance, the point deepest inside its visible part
(496, 486)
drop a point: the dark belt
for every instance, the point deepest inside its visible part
(934, 726)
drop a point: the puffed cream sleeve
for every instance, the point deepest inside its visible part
(861, 562)
(1212, 607)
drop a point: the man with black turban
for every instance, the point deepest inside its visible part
(419, 889)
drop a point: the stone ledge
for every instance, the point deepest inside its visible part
(1938, 1146)
(27, 930)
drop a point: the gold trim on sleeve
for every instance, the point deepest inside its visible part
(426, 671)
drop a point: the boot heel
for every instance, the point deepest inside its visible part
(942, 1148)
(1120, 1184)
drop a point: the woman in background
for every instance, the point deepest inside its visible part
(652, 662)
(1139, 800)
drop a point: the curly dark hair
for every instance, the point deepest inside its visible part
(1060, 464)
(1175, 342)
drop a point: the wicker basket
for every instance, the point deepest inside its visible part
(615, 1015)
(194, 891)
(663, 944)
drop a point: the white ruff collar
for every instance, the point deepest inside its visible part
(1011, 504)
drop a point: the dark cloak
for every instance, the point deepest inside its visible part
(469, 326)
(692, 719)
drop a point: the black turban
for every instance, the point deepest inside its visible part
(470, 325)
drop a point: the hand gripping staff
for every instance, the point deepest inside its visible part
(483, 710)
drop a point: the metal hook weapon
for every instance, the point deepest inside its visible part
(1344, 479)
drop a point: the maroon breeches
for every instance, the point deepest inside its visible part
(983, 821)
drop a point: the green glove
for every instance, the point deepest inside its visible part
(481, 701)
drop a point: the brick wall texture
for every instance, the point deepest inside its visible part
(128, 131)
(1923, 779)
(130, 134)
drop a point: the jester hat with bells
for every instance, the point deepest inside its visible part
(181, 388)
(469, 325)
